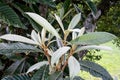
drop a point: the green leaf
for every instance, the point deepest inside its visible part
(74, 21)
(22, 9)
(8, 15)
(10, 48)
(37, 66)
(93, 38)
(17, 77)
(74, 67)
(41, 74)
(57, 54)
(14, 37)
(44, 23)
(95, 70)
(91, 6)
(56, 76)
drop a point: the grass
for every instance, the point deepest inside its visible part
(110, 61)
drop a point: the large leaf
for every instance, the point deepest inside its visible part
(44, 23)
(74, 67)
(9, 16)
(6, 48)
(22, 9)
(17, 77)
(14, 37)
(37, 66)
(92, 6)
(94, 38)
(57, 54)
(74, 21)
(41, 74)
(95, 70)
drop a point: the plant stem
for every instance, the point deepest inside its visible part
(46, 53)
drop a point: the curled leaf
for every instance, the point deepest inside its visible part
(57, 54)
(37, 66)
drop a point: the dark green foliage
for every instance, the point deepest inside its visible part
(17, 48)
(66, 5)
(9, 16)
(17, 77)
(92, 6)
(95, 70)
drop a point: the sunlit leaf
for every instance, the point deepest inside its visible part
(81, 32)
(14, 37)
(74, 21)
(37, 66)
(74, 35)
(43, 22)
(43, 34)
(57, 54)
